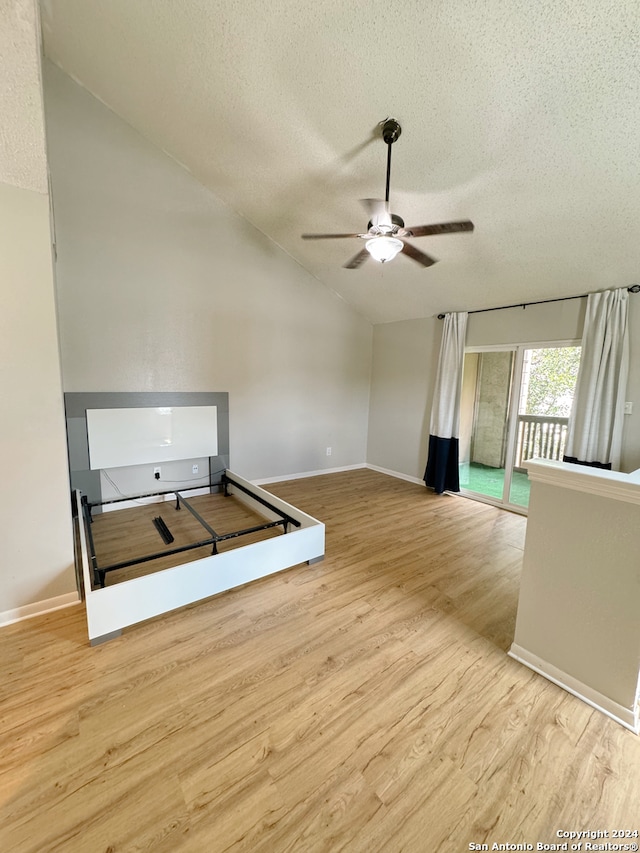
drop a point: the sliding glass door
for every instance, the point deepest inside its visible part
(515, 405)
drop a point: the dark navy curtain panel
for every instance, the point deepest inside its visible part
(594, 436)
(441, 473)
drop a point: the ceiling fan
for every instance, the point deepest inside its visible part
(386, 232)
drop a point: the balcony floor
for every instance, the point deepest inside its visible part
(490, 482)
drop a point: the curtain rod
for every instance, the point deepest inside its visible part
(635, 288)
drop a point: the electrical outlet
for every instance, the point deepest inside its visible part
(194, 469)
(328, 451)
(157, 472)
(628, 408)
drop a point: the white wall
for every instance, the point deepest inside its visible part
(36, 548)
(161, 287)
(556, 321)
(405, 358)
(580, 594)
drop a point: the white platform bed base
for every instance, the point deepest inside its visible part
(112, 608)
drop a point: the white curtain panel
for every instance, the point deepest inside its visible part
(595, 428)
(441, 472)
(445, 413)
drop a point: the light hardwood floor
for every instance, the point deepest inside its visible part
(363, 704)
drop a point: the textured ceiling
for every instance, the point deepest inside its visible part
(524, 117)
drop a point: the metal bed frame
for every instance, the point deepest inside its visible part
(100, 572)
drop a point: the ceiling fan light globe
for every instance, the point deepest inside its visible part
(383, 249)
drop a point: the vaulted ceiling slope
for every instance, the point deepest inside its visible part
(523, 117)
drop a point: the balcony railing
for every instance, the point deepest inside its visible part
(542, 436)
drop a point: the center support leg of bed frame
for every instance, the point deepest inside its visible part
(214, 536)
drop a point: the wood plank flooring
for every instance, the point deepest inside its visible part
(362, 704)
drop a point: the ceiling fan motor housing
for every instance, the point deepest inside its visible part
(380, 223)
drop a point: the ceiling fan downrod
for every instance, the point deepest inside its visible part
(391, 130)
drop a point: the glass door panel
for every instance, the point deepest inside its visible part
(548, 381)
(485, 403)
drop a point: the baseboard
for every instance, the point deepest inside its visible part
(396, 474)
(304, 474)
(38, 608)
(264, 481)
(625, 716)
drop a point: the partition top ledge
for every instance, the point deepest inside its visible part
(582, 478)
